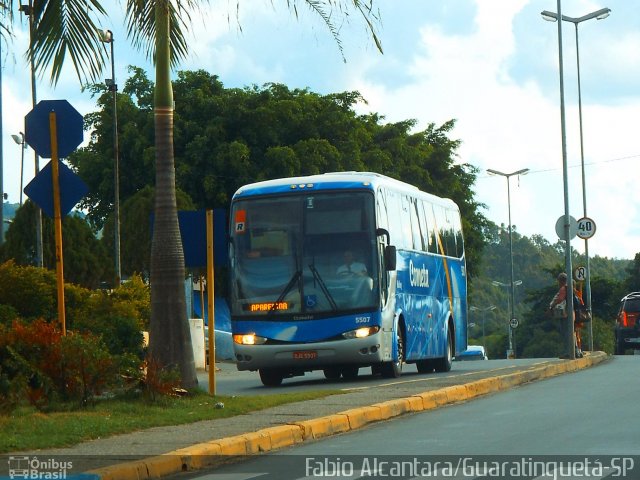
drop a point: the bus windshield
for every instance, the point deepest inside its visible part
(311, 254)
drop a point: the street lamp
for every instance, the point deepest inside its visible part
(107, 37)
(522, 171)
(598, 15)
(510, 308)
(19, 139)
(27, 10)
(484, 309)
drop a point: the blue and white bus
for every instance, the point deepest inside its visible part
(295, 307)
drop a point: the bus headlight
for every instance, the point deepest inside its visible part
(361, 332)
(249, 339)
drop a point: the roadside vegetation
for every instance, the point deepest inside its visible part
(97, 380)
(28, 428)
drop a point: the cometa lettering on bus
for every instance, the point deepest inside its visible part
(419, 276)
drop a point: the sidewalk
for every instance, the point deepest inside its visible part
(163, 451)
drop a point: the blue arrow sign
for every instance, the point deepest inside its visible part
(68, 128)
(72, 189)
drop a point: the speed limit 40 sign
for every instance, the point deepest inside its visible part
(586, 228)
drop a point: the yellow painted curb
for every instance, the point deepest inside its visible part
(211, 453)
(361, 416)
(324, 426)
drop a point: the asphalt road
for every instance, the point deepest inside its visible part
(587, 415)
(163, 451)
(230, 381)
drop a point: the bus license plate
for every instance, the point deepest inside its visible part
(307, 355)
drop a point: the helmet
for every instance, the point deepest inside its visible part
(562, 277)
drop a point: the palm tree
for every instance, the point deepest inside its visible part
(64, 27)
(160, 23)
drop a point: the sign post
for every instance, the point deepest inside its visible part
(210, 300)
(41, 133)
(57, 220)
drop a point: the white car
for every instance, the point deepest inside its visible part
(473, 352)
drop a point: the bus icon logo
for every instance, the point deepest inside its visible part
(18, 467)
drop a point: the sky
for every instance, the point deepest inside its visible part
(492, 65)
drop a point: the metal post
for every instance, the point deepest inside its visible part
(598, 15)
(584, 190)
(19, 139)
(513, 287)
(107, 37)
(116, 168)
(569, 341)
(27, 10)
(1, 156)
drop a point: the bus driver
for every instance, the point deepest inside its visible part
(351, 267)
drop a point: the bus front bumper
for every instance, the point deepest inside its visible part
(310, 356)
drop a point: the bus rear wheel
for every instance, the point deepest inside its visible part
(270, 377)
(393, 369)
(444, 364)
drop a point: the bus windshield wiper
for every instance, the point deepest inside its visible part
(323, 287)
(287, 289)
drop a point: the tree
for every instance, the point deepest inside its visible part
(159, 24)
(135, 231)
(225, 138)
(86, 260)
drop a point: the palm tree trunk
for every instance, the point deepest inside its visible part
(169, 336)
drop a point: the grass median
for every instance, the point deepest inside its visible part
(29, 428)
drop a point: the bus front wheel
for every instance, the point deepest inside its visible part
(350, 373)
(425, 366)
(270, 377)
(332, 373)
(393, 369)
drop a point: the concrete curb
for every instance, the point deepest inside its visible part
(214, 452)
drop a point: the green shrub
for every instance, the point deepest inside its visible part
(136, 296)
(29, 290)
(7, 314)
(114, 321)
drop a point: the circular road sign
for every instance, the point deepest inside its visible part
(580, 273)
(513, 323)
(586, 228)
(573, 227)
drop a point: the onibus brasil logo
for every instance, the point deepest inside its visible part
(34, 468)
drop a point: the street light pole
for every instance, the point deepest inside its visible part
(27, 9)
(510, 308)
(523, 171)
(569, 342)
(598, 15)
(19, 139)
(107, 37)
(485, 309)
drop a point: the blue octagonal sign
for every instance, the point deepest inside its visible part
(72, 189)
(68, 127)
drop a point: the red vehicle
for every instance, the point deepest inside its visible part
(627, 324)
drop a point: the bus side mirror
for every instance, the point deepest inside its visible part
(390, 258)
(381, 231)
